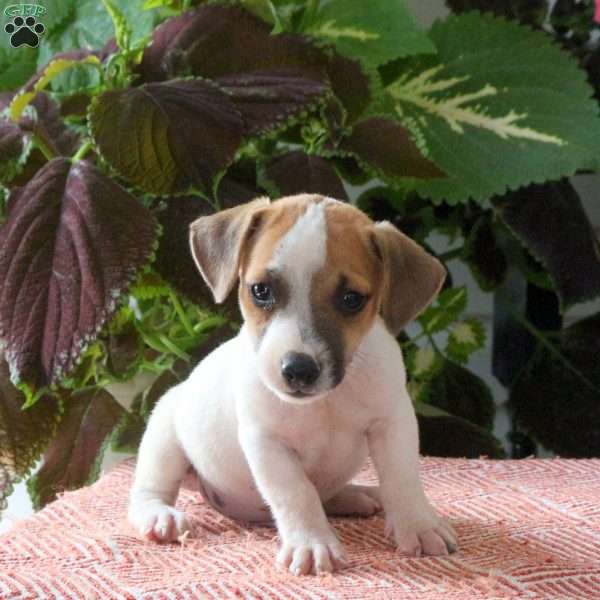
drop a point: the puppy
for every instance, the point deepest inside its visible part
(279, 419)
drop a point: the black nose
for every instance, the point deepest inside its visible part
(299, 370)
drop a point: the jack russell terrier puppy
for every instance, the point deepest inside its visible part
(279, 419)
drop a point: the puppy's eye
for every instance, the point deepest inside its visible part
(262, 294)
(352, 302)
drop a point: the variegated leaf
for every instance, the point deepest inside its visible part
(464, 338)
(374, 32)
(490, 127)
(449, 305)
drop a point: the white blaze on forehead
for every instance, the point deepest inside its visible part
(302, 250)
(298, 256)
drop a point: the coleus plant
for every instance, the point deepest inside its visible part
(129, 122)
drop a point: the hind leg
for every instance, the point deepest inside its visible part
(358, 500)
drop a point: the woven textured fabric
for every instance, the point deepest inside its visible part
(528, 529)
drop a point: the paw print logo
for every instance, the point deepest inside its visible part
(24, 32)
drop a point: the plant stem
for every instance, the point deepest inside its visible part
(39, 143)
(174, 348)
(179, 309)
(432, 342)
(451, 254)
(83, 150)
(310, 12)
(209, 323)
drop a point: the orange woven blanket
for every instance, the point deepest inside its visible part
(528, 529)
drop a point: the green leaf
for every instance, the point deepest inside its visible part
(23, 433)
(57, 13)
(464, 338)
(450, 304)
(127, 434)
(264, 9)
(74, 454)
(556, 395)
(422, 362)
(374, 32)
(499, 108)
(123, 30)
(552, 224)
(150, 286)
(167, 137)
(17, 65)
(87, 25)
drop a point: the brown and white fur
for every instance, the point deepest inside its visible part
(263, 450)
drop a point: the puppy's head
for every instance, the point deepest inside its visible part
(314, 274)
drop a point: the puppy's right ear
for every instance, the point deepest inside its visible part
(217, 242)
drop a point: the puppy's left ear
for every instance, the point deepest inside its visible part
(412, 277)
(217, 242)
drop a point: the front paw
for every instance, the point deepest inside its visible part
(306, 552)
(421, 534)
(158, 522)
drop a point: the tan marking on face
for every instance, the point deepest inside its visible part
(275, 221)
(351, 258)
(318, 248)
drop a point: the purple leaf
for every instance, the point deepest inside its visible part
(551, 222)
(483, 254)
(48, 125)
(388, 148)
(174, 261)
(239, 185)
(267, 99)
(23, 433)
(72, 244)
(456, 437)
(297, 172)
(350, 84)
(73, 457)
(13, 150)
(555, 394)
(217, 40)
(167, 137)
(124, 350)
